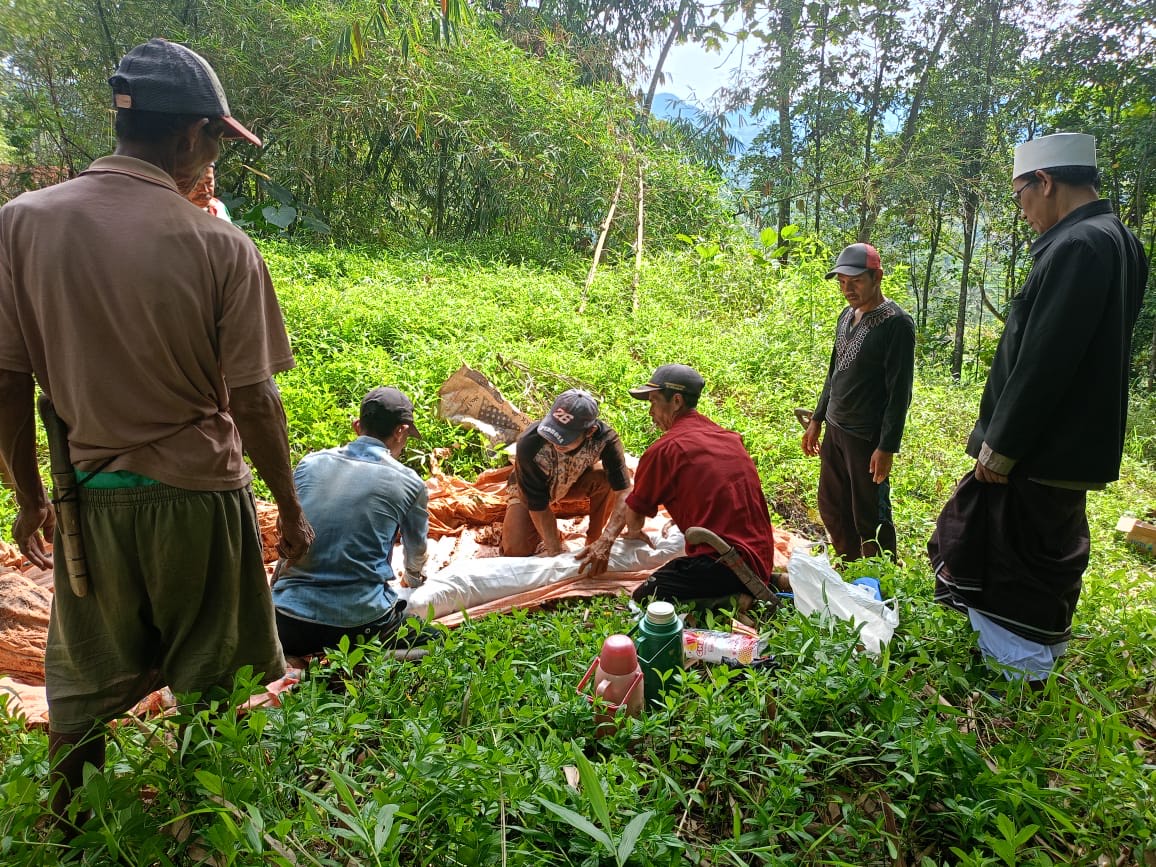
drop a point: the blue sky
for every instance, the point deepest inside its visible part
(691, 70)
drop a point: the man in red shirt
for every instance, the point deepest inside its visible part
(703, 476)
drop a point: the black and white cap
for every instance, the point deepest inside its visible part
(169, 78)
(672, 377)
(1053, 151)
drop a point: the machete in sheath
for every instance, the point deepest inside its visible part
(65, 497)
(755, 585)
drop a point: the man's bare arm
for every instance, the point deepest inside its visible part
(546, 523)
(260, 419)
(34, 520)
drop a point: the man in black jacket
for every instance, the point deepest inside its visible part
(1011, 545)
(864, 403)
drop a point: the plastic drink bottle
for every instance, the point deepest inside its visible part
(617, 683)
(659, 647)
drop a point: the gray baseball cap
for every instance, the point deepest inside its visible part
(856, 259)
(169, 78)
(574, 412)
(674, 377)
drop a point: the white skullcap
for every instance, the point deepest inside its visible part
(1061, 149)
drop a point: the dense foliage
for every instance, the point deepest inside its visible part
(466, 139)
(830, 758)
(511, 123)
(894, 121)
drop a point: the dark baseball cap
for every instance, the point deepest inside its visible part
(856, 259)
(574, 412)
(168, 78)
(675, 377)
(386, 407)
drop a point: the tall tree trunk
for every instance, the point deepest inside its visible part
(910, 124)
(671, 38)
(784, 86)
(970, 213)
(112, 53)
(972, 169)
(936, 232)
(867, 205)
(818, 130)
(1013, 261)
(638, 237)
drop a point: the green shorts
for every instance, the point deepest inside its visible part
(177, 595)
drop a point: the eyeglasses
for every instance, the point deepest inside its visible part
(1016, 195)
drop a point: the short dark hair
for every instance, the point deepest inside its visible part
(1073, 176)
(151, 126)
(689, 398)
(379, 426)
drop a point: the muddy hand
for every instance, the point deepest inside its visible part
(594, 559)
(296, 537)
(31, 531)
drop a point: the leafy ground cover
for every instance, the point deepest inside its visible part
(482, 753)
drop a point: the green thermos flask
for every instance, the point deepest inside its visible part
(659, 643)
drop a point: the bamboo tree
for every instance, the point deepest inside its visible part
(603, 232)
(638, 237)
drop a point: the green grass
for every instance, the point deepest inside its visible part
(832, 758)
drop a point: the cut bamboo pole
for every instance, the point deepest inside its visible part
(602, 240)
(638, 240)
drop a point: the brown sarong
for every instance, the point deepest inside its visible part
(1015, 553)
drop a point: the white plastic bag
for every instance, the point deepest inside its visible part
(818, 587)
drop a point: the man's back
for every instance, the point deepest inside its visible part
(357, 498)
(702, 474)
(137, 313)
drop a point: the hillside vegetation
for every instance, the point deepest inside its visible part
(830, 757)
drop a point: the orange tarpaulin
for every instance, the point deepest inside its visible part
(465, 524)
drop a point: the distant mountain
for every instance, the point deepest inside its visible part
(741, 123)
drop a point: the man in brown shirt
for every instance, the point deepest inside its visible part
(154, 329)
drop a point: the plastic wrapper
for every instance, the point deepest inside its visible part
(708, 646)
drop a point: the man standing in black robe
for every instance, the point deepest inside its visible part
(1011, 545)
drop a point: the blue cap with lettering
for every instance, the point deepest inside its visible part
(573, 413)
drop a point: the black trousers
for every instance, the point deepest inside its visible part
(855, 510)
(302, 638)
(700, 577)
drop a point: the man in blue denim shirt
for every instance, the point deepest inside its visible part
(358, 498)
